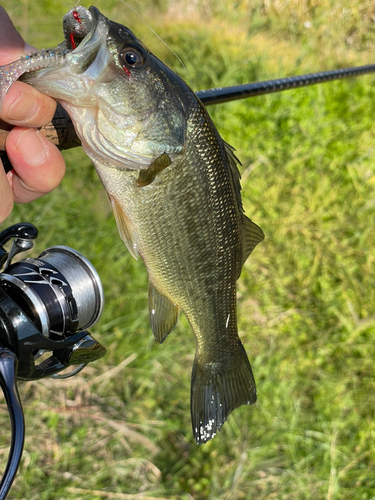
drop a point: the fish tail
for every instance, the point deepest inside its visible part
(216, 390)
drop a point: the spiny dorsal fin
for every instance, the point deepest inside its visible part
(252, 235)
(163, 313)
(236, 176)
(125, 228)
(148, 175)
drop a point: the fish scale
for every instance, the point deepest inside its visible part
(175, 189)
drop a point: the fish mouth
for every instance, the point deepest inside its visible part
(85, 34)
(80, 26)
(84, 47)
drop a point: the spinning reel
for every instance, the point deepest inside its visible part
(46, 304)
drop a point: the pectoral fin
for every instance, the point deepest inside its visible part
(125, 228)
(148, 175)
(252, 235)
(163, 313)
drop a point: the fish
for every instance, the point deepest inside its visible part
(174, 185)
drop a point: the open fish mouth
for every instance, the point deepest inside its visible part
(85, 32)
(76, 63)
(83, 51)
(79, 25)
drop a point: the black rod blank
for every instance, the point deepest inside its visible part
(226, 94)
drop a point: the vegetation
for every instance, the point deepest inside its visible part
(121, 429)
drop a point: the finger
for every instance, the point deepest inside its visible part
(38, 166)
(23, 105)
(12, 45)
(26, 107)
(6, 195)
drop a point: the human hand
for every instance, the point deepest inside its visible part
(38, 165)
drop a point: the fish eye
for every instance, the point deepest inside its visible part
(132, 58)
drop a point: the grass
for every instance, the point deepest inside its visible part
(121, 429)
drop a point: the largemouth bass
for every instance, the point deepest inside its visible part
(174, 185)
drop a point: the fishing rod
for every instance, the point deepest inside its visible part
(226, 94)
(60, 131)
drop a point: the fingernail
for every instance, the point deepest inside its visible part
(23, 108)
(31, 146)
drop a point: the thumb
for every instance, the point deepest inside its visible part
(12, 45)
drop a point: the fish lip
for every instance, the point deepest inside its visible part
(80, 58)
(87, 61)
(94, 11)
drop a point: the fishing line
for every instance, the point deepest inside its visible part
(69, 5)
(157, 36)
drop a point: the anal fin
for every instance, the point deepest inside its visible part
(125, 228)
(163, 313)
(216, 390)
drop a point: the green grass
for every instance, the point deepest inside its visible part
(306, 295)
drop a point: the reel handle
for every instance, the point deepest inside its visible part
(8, 383)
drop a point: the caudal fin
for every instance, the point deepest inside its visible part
(216, 391)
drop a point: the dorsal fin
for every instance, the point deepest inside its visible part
(252, 234)
(148, 175)
(125, 228)
(235, 173)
